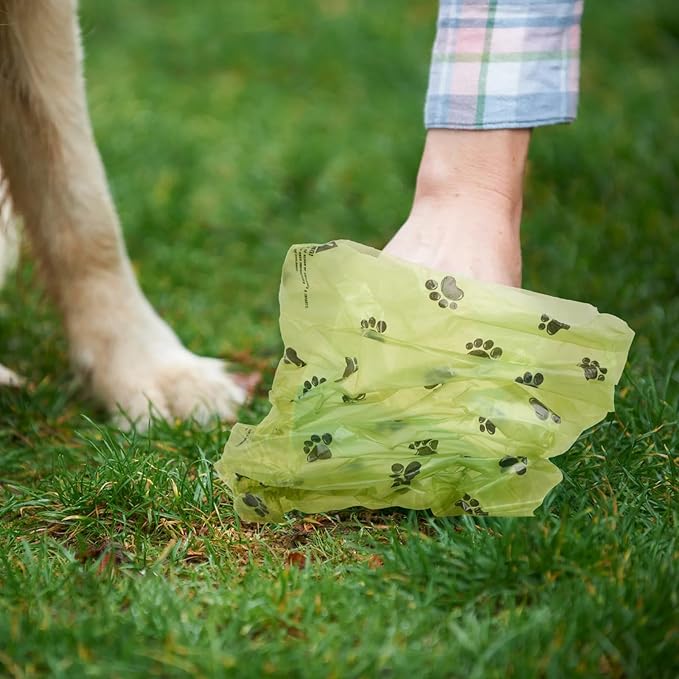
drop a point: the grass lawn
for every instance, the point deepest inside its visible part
(230, 131)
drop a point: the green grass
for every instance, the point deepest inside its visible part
(230, 131)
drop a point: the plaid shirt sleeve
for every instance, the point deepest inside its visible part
(504, 63)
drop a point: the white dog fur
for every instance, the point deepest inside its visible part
(125, 351)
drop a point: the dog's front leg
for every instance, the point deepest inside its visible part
(57, 181)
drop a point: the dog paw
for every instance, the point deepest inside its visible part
(8, 378)
(149, 374)
(136, 366)
(174, 385)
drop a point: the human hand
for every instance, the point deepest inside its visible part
(466, 212)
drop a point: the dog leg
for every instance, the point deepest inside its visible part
(9, 247)
(9, 233)
(129, 356)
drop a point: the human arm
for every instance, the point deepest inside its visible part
(498, 70)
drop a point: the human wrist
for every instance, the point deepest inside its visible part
(479, 164)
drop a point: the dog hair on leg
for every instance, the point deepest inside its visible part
(9, 251)
(129, 356)
(9, 233)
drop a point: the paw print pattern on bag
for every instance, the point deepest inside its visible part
(425, 447)
(318, 447)
(353, 399)
(403, 476)
(371, 323)
(543, 412)
(350, 367)
(255, 502)
(592, 370)
(510, 463)
(551, 326)
(484, 349)
(485, 425)
(470, 505)
(290, 357)
(310, 384)
(530, 379)
(446, 294)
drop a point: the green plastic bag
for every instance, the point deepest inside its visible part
(400, 385)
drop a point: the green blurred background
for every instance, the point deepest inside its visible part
(230, 131)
